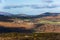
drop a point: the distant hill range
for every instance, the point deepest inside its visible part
(5, 16)
(48, 14)
(38, 16)
(10, 15)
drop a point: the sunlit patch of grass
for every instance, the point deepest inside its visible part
(49, 22)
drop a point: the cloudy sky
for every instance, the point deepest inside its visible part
(30, 7)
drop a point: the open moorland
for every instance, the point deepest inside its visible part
(12, 27)
(45, 24)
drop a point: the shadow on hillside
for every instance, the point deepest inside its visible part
(21, 30)
(6, 20)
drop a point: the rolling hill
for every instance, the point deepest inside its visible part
(48, 20)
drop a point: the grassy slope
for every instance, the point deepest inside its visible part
(49, 22)
(26, 25)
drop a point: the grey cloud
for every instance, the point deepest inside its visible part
(9, 7)
(48, 1)
(31, 6)
(39, 7)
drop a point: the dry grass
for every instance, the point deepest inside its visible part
(27, 25)
(48, 28)
(32, 36)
